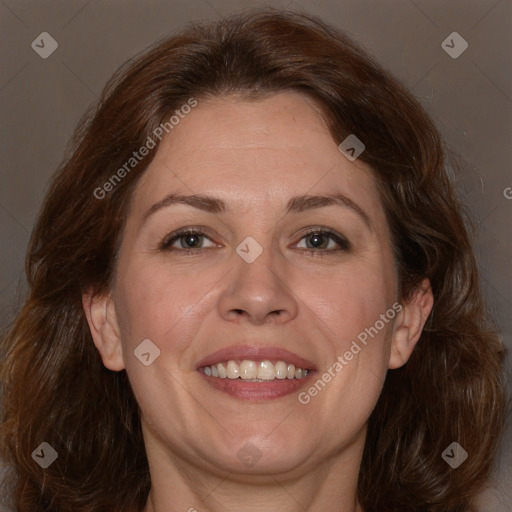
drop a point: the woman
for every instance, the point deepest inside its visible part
(251, 288)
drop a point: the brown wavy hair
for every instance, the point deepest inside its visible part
(55, 387)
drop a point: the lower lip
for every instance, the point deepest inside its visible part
(257, 391)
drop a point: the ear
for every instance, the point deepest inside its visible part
(409, 324)
(102, 320)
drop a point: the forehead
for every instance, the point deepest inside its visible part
(253, 152)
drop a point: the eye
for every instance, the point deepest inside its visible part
(187, 240)
(323, 240)
(316, 241)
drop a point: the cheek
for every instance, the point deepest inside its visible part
(347, 308)
(163, 304)
(350, 300)
(354, 311)
(168, 307)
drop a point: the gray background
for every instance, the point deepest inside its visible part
(469, 98)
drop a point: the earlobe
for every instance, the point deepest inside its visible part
(409, 324)
(102, 320)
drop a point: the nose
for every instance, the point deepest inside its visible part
(257, 292)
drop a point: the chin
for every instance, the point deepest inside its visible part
(263, 454)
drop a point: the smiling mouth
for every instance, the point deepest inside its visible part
(254, 371)
(255, 380)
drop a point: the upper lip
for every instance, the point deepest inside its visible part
(255, 353)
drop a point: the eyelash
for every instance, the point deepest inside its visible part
(344, 244)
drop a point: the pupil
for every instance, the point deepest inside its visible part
(316, 240)
(192, 240)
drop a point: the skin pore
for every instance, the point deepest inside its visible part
(309, 292)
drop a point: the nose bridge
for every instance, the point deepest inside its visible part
(257, 290)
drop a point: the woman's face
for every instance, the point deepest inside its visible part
(274, 273)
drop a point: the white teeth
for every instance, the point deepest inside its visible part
(266, 371)
(232, 370)
(255, 370)
(248, 370)
(281, 370)
(222, 371)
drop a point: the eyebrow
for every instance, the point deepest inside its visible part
(295, 204)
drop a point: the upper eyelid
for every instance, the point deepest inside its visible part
(171, 238)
